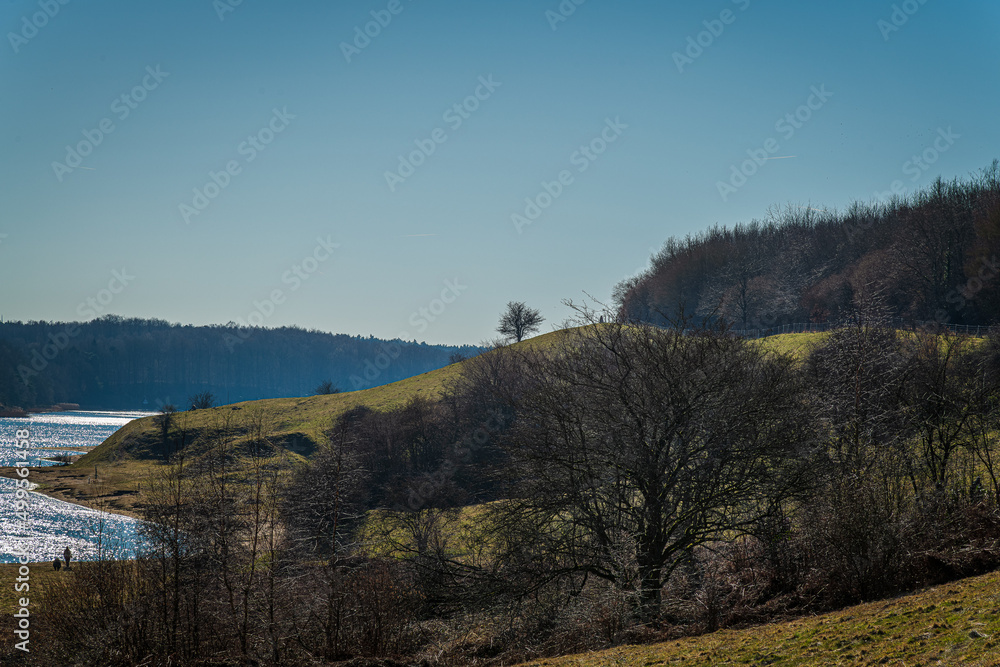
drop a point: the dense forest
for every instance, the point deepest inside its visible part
(129, 363)
(935, 254)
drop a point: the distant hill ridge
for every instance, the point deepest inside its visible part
(130, 363)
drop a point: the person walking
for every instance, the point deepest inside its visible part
(67, 555)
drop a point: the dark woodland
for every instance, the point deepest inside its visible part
(135, 364)
(935, 255)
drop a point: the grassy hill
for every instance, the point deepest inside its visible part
(297, 422)
(953, 623)
(111, 476)
(957, 623)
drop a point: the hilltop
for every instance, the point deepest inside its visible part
(932, 254)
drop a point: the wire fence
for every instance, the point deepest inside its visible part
(907, 325)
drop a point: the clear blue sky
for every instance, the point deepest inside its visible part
(222, 77)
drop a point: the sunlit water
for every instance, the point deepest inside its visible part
(48, 526)
(59, 430)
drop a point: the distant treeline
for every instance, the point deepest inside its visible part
(935, 255)
(130, 363)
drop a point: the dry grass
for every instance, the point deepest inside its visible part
(41, 578)
(957, 623)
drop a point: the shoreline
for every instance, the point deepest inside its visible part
(109, 487)
(68, 485)
(17, 412)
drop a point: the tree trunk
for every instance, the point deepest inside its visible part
(650, 593)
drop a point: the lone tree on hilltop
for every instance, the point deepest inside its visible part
(326, 387)
(202, 401)
(518, 321)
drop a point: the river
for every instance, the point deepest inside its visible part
(47, 526)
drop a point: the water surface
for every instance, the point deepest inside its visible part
(59, 430)
(47, 526)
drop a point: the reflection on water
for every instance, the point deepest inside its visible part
(52, 525)
(59, 430)
(48, 526)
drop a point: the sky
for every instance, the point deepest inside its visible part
(404, 168)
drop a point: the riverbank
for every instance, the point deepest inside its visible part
(65, 438)
(116, 489)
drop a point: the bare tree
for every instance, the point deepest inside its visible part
(326, 387)
(165, 419)
(519, 320)
(860, 374)
(984, 437)
(948, 395)
(647, 440)
(202, 401)
(321, 508)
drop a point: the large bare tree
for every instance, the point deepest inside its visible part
(634, 445)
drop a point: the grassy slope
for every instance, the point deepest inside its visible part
(112, 475)
(949, 624)
(302, 418)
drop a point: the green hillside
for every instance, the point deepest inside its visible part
(111, 476)
(956, 623)
(297, 422)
